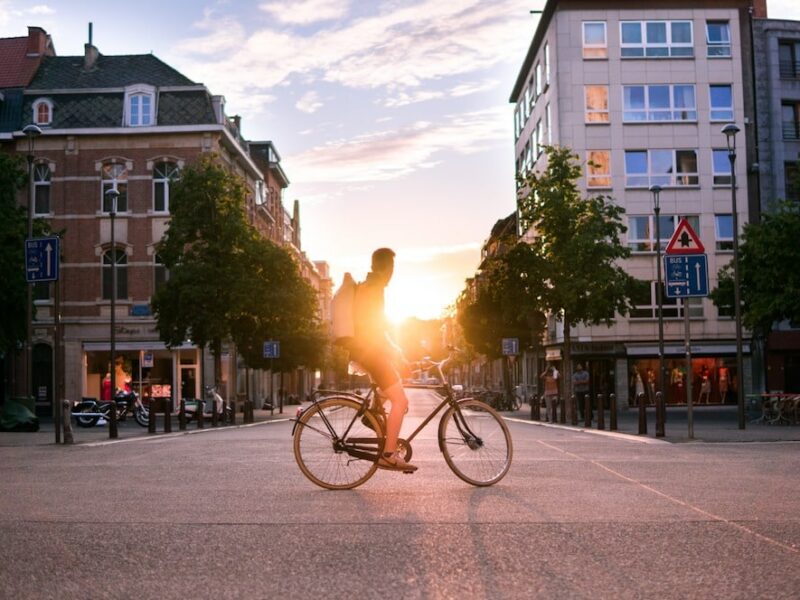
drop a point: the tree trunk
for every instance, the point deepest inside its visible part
(567, 362)
(216, 350)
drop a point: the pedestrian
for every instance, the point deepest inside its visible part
(105, 388)
(374, 350)
(550, 377)
(580, 386)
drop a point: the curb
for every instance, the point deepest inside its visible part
(612, 434)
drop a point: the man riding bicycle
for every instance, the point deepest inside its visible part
(373, 349)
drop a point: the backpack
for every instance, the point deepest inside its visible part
(343, 311)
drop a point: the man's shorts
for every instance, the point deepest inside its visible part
(378, 363)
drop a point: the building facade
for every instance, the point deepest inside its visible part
(640, 95)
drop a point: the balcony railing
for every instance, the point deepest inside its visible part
(789, 69)
(791, 130)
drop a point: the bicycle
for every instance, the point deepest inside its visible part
(339, 438)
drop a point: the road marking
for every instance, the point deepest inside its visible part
(627, 437)
(678, 501)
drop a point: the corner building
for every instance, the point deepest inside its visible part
(643, 93)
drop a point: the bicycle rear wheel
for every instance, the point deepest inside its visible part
(475, 442)
(336, 447)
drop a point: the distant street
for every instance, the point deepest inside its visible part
(227, 514)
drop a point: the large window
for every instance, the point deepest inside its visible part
(656, 39)
(723, 232)
(667, 168)
(790, 120)
(721, 102)
(164, 173)
(115, 176)
(122, 273)
(721, 166)
(41, 193)
(598, 169)
(642, 230)
(596, 104)
(645, 303)
(718, 38)
(594, 39)
(659, 103)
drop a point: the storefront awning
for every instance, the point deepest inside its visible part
(672, 349)
(128, 346)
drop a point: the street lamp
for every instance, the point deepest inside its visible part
(113, 196)
(656, 191)
(730, 130)
(31, 132)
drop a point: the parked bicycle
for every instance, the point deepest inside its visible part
(339, 438)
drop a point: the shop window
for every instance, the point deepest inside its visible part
(41, 185)
(121, 259)
(595, 44)
(114, 176)
(596, 104)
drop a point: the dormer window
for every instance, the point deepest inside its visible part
(140, 106)
(42, 112)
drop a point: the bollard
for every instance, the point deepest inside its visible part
(601, 412)
(112, 421)
(660, 414)
(535, 412)
(642, 415)
(151, 421)
(182, 415)
(167, 415)
(573, 410)
(562, 407)
(199, 413)
(67, 422)
(587, 410)
(612, 407)
(214, 415)
(248, 411)
(232, 404)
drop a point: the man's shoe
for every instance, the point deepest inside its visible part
(395, 462)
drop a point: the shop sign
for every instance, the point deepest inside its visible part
(147, 360)
(140, 310)
(554, 354)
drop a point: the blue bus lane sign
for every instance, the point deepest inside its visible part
(686, 275)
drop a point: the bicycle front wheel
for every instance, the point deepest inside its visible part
(475, 442)
(336, 447)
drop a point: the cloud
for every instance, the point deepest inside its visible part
(294, 12)
(309, 103)
(40, 9)
(390, 154)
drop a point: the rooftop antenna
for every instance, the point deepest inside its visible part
(90, 33)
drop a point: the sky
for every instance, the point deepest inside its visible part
(391, 116)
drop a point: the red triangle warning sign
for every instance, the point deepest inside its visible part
(685, 240)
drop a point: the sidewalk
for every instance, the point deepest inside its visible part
(712, 424)
(129, 429)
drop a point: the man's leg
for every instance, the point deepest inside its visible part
(394, 421)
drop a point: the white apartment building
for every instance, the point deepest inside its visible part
(643, 94)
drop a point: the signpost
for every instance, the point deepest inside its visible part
(686, 268)
(510, 346)
(272, 350)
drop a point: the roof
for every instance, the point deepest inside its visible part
(16, 67)
(10, 107)
(66, 72)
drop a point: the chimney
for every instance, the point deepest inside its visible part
(760, 9)
(218, 104)
(90, 53)
(237, 123)
(37, 42)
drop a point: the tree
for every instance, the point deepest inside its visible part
(572, 268)
(770, 281)
(225, 282)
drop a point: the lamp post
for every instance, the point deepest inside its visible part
(656, 191)
(113, 196)
(730, 132)
(31, 132)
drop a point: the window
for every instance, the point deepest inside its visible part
(546, 64)
(539, 138)
(718, 38)
(790, 120)
(653, 103)
(516, 122)
(140, 105)
(596, 103)
(42, 111)
(539, 81)
(642, 230)
(791, 174)
(789, 60)
(645, 301)
(666, 168)
(115, 176)
(534, 145)
(721, 166)
(122, 274)
(721, 102)
(723, 231)
(527, 103)
(41, 291)
(164, 173)
(41, 190)
(160, 273)
(549, 124)
(656, 39)
(594, 39)
(598, 169)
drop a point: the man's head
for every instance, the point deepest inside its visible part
(383, 262)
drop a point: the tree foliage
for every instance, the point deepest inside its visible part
(770, 281)
(225, 281)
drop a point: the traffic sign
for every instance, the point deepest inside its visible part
(510, 346)
(272, 349)
(684, 240)
(41, 259)
(686, 275)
